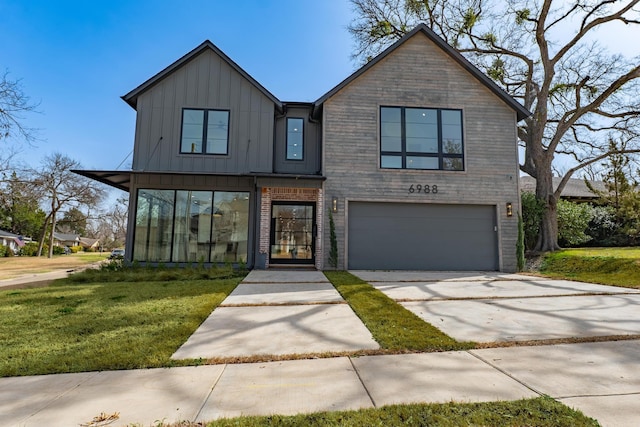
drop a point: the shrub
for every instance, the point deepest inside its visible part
(573, 220)
(31, 249)
(75, 249)
(532, 210)
(5, 251)
(58, 250)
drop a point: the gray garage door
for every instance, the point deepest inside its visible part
(409, 236)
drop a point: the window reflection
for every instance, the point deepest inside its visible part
(205, 226)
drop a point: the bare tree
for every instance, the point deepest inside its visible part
(14, 103)
(546, 55)
(111, 226)
(61, 188)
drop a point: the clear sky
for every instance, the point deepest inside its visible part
(77, 58)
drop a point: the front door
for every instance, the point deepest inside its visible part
(292, 233)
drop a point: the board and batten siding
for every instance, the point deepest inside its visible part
(206, 82)
(419, 74)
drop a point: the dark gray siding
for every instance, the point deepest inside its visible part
(411, 236)
(312, 135)
(207, 81)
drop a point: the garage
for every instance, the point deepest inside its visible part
(415, 236)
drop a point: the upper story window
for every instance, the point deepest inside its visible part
(205, 131)
(295, 139)
(421, 138)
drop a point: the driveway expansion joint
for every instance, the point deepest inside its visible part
(497, 368)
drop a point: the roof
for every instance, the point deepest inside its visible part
(575, 188)
(88, 242)
(522, 112)
(66, 237)
(131, 98)
(4, 233)
(122, 179)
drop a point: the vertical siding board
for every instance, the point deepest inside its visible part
(206, 81)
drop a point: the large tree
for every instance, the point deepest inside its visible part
(62, 189)
(545, 54)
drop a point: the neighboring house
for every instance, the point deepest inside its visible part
(414, 155)
(12, 241)
(66, 239)
(576, 189)
(88, 243)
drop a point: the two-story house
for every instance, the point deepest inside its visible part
(414, 156)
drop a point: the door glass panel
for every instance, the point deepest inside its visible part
(292, 236)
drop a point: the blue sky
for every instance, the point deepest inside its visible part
(76, 58)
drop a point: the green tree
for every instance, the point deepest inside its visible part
(20, 212)
(579, 92)
(621, 194)
(73, 221)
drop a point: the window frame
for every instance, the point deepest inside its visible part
(287, 157)
(205, 130)
(404, 153)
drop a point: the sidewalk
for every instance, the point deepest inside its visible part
(602, 380)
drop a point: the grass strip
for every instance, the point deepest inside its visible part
(585, 266)
(541, 412)
(392, 326)
(93, 321)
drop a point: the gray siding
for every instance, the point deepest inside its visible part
(206, 81)
(419, 74)
(312, 135)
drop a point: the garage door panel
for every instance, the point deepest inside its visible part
(422, 236)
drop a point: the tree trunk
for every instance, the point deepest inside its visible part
(53, 227)
(548, 234)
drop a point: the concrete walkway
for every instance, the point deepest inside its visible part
(600, 379)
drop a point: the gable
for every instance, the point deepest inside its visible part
(435, 46)
(131, 98)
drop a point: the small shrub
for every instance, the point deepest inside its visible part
(5, 251)
(75, 249)
(58, 250)
(532, 211)
(31, 249)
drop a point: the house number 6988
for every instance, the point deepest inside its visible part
(425, 189)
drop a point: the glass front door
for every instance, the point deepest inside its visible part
(292, 233)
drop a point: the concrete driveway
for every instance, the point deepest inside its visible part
(495, 307)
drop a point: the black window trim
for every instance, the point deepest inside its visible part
(205, 130)
(403, 150)
(286, 142)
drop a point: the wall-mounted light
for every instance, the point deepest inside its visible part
(334, 204)
(509, 209)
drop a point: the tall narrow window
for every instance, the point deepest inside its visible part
(421, 138)
(295, 139)
(205, 131)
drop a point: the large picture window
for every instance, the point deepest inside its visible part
(191, 226)
(421, 138)
(205, 131)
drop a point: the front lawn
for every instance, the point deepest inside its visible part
(92, 321)
(608, 266)
(392, 326)
(540, 412)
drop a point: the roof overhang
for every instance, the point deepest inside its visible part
(122, 179)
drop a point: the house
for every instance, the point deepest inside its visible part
(13, 241)
(90, 244)
(66, 239)
(413, 156)
(576, 190)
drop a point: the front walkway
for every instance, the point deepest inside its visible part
(276, 313)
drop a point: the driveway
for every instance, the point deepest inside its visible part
(495, 307)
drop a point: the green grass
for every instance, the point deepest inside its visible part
(608, 266)
(541, 412)
(93, 321)
(392, 326)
